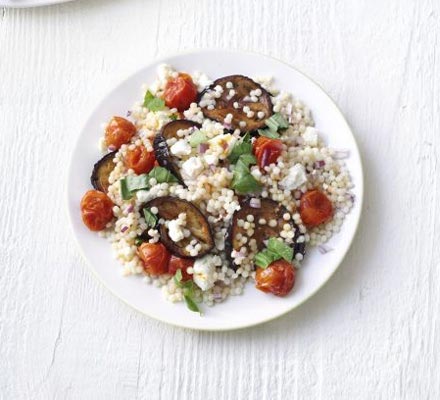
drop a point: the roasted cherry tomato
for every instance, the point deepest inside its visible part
(180, 92)
(96, 210)
(278, 278)
(155, 258)
(140, 160)
(315, 208)
(267, 150)
(180, 263)
(119, 131)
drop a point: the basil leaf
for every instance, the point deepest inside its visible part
(240, 148)
(153, 103)
(279, 247)
(268, 133)
(191, 304)
(178, 277)
(248, 159)
(196, 138)
(125, 193)
(245, 184)
(161, 175)
(276, 121)
(137, 182)
(150, 218)
(264, 258)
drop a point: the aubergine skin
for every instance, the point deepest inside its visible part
(161, 149)
(269, 209)
(101, 172)
(224, 106)
(169, 208)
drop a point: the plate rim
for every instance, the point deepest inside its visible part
(42, 4)
(360, 187)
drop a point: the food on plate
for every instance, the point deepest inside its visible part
(207, 185)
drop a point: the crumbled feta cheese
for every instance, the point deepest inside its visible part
(181, 148)
(211, 159)
(204, 269)
(310, 136)
(295, 177)
(176, 229)
(192, 167)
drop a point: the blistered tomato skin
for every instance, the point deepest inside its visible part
(155, 258)
(96, 210)
(119, 131)
(180, 92)
(180, 263)
(140, 160)
(315, 208)
(267, 150)
(278, 278)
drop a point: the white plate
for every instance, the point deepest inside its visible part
(29, 3)
(253, 307)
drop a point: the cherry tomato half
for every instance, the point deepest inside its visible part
(140, 160)
(180, 92)
(96, 210)
(278, 278)
(267, 150)
(315, 208)
(180, 263)
(119, 131)
(155, 258)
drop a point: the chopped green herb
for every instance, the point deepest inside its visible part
(150, 218)
(264, 258)
(136, 182)
(196, 138)
(162, 175)
(276, 250)
(276, 121)
(247, 159)
(139, 240)
(153, 103)
(240, 148)
(269, 133)
(174, 117)
(188, 291)
(280, 248)
(125, 193)
(242, 181)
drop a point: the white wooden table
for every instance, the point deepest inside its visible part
(373, 332)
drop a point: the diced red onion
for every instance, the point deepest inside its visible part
(227, 126)
(212, 167)
(341, 154)
(323, 249)
(112, 148)
(203, 147)
(128, 113)
(124, 228)
(217, 296)
(129, 209)
(255, 203)
(319, 164)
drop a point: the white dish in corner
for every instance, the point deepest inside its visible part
(253, 307)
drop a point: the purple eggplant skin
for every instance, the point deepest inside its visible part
(169, 208)
(224, 105)
(161, 149)
(101, 172)
(269, 209)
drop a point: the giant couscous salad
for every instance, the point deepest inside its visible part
(205, 185)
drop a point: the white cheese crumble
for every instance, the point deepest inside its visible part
(176, 228)
(204, 270)
(310, 136)
(192, 167)
(181, 148)
(295, 177)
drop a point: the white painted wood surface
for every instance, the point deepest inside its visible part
(371, 333)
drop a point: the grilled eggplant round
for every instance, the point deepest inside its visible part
(161, 149)
(169, 208)
(269, 210)
(101, 172)
(241, 94)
